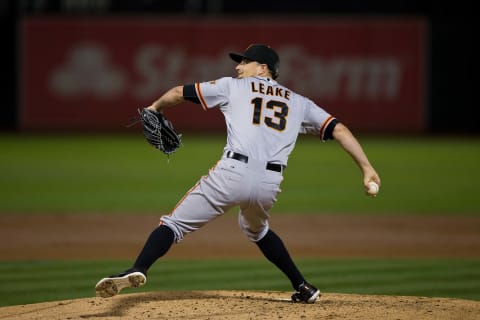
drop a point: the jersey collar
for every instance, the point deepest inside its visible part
(266, 79)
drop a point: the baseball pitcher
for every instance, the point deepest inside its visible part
(263, 120)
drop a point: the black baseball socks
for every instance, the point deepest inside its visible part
(162, 238)
(158, 244)
(274, 250)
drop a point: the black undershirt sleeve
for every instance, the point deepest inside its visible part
(190, 94)
(329, 130)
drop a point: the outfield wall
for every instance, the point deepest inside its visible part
(90, 74)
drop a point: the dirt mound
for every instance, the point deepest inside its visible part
(84, 236)
(235, 305)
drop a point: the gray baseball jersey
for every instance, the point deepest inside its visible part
(263, 117)
(263, 121)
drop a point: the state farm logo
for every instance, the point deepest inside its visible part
(348, 77)
(88, 70)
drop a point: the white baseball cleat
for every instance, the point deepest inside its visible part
(110, 286)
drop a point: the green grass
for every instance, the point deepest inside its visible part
(107, 173)
(111, 174)
(37, 281)
(419, 176)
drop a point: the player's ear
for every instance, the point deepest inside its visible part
(263, 69)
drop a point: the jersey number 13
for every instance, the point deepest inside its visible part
(278, 121)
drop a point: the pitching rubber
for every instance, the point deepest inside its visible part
(108, 287)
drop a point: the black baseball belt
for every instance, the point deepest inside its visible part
(242, 158)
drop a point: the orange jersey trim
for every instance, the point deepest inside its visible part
(184, 196)
(200, 96)
(193, 188)
(325, 125)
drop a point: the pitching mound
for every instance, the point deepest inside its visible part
(233, 305)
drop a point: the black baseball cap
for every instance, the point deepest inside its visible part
(262, 54)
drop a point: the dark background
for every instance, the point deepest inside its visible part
(450, 61)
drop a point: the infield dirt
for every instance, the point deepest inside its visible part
(91, 236)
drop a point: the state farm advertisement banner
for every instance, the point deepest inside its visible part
(93, 74)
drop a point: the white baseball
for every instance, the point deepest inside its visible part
(372, 188)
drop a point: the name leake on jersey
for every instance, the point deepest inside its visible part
(269, 90)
